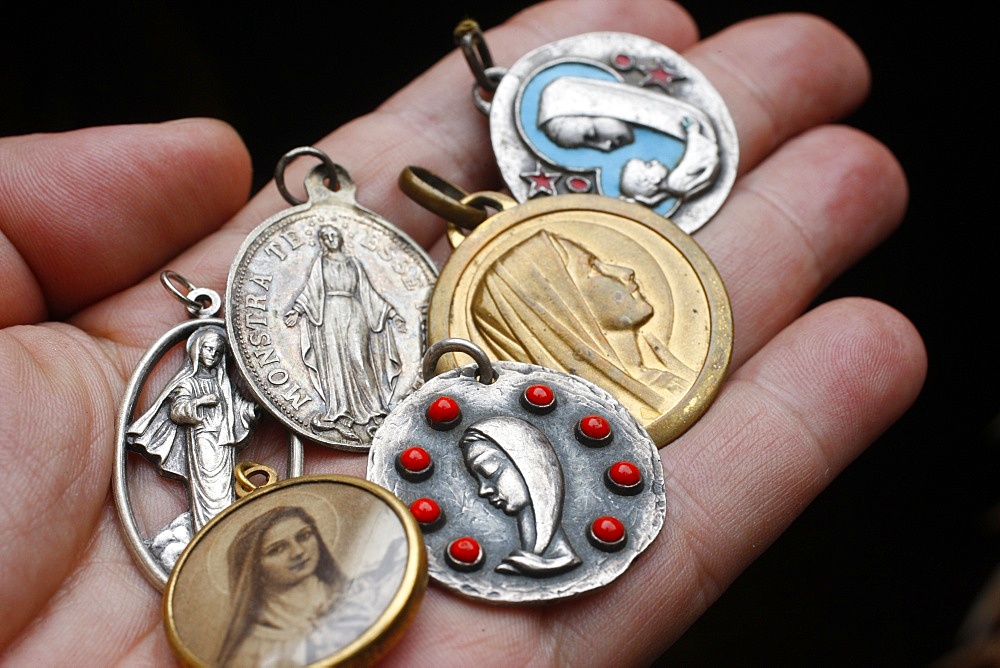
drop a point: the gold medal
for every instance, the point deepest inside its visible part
(316, 570)
(590, 285)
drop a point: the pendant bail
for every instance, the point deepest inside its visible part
(329, 168)
(469, 37)
(440, 196)
(200, 302)
(485, 371)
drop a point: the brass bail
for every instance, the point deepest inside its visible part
(441, 197)
(245, 470)
(469, 37)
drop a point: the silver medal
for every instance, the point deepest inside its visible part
(191, 431)
(530, 484)
(327, 306)
(613, 114)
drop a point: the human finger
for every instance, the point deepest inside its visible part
(783, 74)
(795, 222)
(416, 125)
(85, 213)
(786, 424)
(433, 122)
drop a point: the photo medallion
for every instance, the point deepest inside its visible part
(316, 570)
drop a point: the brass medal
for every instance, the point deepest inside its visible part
(595, 287)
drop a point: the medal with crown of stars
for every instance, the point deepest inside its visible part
(607, 113)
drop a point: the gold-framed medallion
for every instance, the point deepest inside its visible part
(593, 286)
(317, 570)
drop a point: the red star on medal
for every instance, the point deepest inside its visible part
(541, 182)
(660, 75)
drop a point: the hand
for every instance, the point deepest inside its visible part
(291, 318)
(208, 400)
(807, 392)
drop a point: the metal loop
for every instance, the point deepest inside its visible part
(441, 197)
(469, 37)
(242, 472)
(279, 171)
(199, 302)
(494, 74)
(485, 371)
(487, 199)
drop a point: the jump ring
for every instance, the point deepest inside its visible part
(434, 352)
(279, 171)
(200, 302)
(244, 470)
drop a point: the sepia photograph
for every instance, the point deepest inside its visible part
(307, 571)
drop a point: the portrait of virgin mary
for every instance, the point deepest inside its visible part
(549, 301)
(518, 472)
(291, 601)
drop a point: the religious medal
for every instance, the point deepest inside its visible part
(327, 306)
(192, 431)
(591, 286)
(317, 570)
(607, 113)
(529, 484)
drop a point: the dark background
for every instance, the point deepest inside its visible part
(881, 569)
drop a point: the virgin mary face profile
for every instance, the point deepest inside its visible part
(518, 471)
(614, 295)
(499, 481)
(289, 552)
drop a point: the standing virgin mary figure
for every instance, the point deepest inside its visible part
(194, 428)
(347, 340)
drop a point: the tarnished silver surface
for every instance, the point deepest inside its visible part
(615, 114)
(521, 483)
(191, 439)
(327, 307)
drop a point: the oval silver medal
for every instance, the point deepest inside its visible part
(327, 306)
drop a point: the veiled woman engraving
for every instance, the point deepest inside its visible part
(347, 341)
(194, 428)
(518, 471)
(549, 301)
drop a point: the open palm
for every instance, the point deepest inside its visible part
(90, 218)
